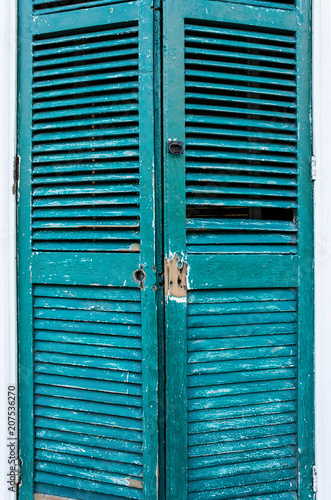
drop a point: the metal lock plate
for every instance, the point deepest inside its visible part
(175, 147)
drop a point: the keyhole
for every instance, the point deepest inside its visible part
(139, 276)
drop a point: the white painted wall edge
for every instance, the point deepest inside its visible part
(322, 151)
(7, 228)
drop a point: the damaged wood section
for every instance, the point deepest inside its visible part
(175, 277)
(41, 496)
(133, 483)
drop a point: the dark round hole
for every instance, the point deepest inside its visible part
(139, 276)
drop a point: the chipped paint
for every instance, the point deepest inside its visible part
(135, 483)
(175, 278)
(135, 247)
(42, 496)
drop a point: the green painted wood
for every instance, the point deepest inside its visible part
(159, 222)
(306, 413)
(250, 382)
(93, 349)
(246, 272)
(248, 15)
(113, 467)
(85, 17)
(84, 268)
(148, 251)
(50, 6)
(174, 243)
(24, 220)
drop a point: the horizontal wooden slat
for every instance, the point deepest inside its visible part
(85, 304)
(241, 296)
(236, 14)
(242, 433)
(84, 43)
(197, 46)
(240, 225)
(84, 268)
(194, 85)
(90, 463)
(41, 496)
(89, 361)
(88, 429)
(208, 466)
(239, 121)
(51, 6)
(92, 384)
(81, 63)
(85, 18)
(88, 485)
(242, 271)
(85, 371)
(260, 373)
(240, 31)
(83, 416)
(203, 428)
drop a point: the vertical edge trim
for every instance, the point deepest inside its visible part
(148, 250)
(25, 312)
(306, 256)
(175, 243)
(159, 237)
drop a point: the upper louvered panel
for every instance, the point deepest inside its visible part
(88, 393)
(242, 393)
(241, 139)
(50, 6)
(85, 140)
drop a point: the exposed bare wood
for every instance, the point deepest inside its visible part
(175, 277)
(135, 483)
(41, 496)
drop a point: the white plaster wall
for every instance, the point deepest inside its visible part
(322, 150)
(7, 225)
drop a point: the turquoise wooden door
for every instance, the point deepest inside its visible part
(87, 330)
(224, 213)
(238, 250)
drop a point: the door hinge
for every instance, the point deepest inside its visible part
(18, 465)
(313, 168)
(314, 479)
(16, 173)
(175, 276)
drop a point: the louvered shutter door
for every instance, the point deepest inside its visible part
(88, 351)
(238, 217)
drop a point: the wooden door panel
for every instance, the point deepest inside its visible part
(88, 335)
(234, 74)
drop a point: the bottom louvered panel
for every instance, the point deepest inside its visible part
(242, 394)
(88, 393)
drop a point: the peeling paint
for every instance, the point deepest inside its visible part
(135, 483)
(175, 278)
